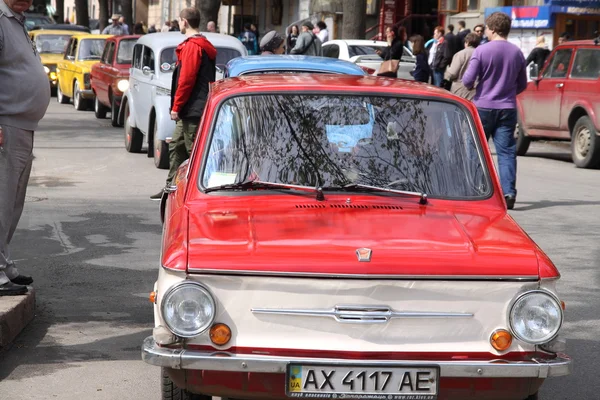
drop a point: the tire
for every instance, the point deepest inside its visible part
(99, 109)
(114, 112)
(523, 141)
(534, 396)
(133, 136)
(161, 151)
(79, 103)
(60, 97)
(585, 144)
(172, 392)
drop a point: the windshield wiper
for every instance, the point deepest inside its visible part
(251, 185)
(358, 186)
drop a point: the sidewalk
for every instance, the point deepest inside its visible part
(15, 313)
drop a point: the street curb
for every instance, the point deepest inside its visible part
(15, 313)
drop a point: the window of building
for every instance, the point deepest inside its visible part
(448, 6)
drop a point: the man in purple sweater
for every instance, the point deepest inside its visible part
(499, 67)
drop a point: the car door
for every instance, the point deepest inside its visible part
(542, 102)
(66, 69)
(145, 81)
(101, 74)
(134, 76)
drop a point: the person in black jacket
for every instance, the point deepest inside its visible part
(422, 71)
(539, 54)
(395, 38)
(438, 61)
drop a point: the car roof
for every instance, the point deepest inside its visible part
(241, 65)
(160, 40)
(578, 43)
(326, 83)
(39, 32)
(124, 37)
(357, 42)
(90, 36)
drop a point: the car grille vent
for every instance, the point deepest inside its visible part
(350, 206)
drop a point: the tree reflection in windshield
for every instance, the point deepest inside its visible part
(91, 49)
(316, 140)
(54, 44)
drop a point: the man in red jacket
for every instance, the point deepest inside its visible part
(195, 70)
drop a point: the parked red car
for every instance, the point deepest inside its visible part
(347, 237)
(563, 102)
(110, 77)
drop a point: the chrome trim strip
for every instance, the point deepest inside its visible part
(356, 314)
(224, 361)
(522, 278)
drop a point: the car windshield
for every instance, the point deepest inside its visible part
(332, 141)
(91, 49)
(354, 51)
(168, 58)
(125, 53)
(53, 44)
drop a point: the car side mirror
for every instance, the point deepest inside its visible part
(534, 72)
(71, 58)
(146, 70)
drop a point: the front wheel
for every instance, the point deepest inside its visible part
(161, 151)
(534, 396)
(79, 103)
(114, 112)
(523, 141)
(133, 136)
(60, 97)
(585, 144)
(172, 392)
(99, 109)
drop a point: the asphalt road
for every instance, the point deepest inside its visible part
(90, 237)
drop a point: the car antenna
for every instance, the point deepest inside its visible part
(320, 195)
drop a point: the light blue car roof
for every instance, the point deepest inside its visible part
(290, 63)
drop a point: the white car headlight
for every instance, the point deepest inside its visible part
(536, 317)
(46, 70)
(123, 85)
(188, 309)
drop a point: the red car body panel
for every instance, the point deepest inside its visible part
(470, 238)
(105, 76)
(549, 107)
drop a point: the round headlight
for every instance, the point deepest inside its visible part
(123, 85)
(188, 309)
(536, 317)
(46, 69)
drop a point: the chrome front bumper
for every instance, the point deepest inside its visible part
(223, 361)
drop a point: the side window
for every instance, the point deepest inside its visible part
(332, 51)
(68, 50)
(558, 65)
(111, 53)
(586, 64)
(104, 59)
(74, 48)
(148, 58)
(137, 56)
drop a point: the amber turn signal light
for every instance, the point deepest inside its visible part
(501, 339)
(220, 334)
(152, 297)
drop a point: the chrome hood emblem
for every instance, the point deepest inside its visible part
(364, 254)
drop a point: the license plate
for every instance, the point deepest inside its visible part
(348, 382)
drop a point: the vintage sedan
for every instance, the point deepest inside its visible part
(73, 71)
(347, 237)
(147, 103)
(51, 45)
(110, 77)
(289, 64)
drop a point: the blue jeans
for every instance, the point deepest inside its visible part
(438, 77)
(500, 126)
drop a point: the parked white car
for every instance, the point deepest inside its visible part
(363, 53)
(145, 107)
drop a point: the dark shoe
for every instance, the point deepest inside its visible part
(510, 201)
(157, 196)
(11, 289)
(22, 280)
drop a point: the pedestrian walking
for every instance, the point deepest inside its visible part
(453, 44)
(322, 32)
(499, 66)
(422, 71)
(24, 98)
(115, 28)
(124, 25)
(292, 38)
(194, 71)
(539, 54)
(308, 43)
(462, 33)
(459, 65)
(437, 59)
(249, 40)
(394, 36)
(272, 43)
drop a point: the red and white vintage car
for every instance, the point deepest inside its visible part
(347, 237)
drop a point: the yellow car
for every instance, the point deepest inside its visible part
(51, 45)
(73, 71)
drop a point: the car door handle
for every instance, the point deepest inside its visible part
(559, 85)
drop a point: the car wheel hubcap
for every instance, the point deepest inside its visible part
(76, 99)
(583, 142)
(96, 105)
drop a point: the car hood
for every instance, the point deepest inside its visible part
(324, 239)
(48, 58)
